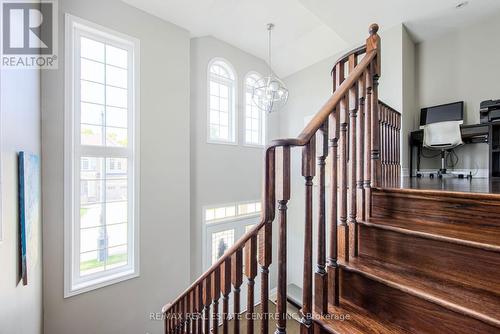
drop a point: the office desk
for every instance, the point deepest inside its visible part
(477, 133)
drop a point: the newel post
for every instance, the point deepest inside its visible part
(373, 44)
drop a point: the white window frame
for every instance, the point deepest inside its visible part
(233, 114)
(73, 283)
(237, 223)
(263, 123)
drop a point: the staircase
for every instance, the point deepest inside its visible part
(388, 260)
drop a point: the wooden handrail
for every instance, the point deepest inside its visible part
(205, 292)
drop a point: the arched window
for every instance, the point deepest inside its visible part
(221, 103)
(255, 123)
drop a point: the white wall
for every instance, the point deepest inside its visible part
(309, 90)
(409, 121)
(164, 212)
(20, 306)
(461, 66)
(220, 173)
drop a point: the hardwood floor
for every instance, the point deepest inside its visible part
(475, 185)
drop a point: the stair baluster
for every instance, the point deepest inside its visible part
(333, 267)
(251, 273)
(308, 172)
(368, 143)
(283, 196)
(265, 258)
(237, 280)
(226, 290)
(360, 152)
(353, 114)
(321, 281)
(207, 301)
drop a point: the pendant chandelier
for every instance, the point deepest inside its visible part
(270, 93)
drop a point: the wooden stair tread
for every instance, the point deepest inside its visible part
(448, 193)
(359, 321)
(489, 238)
(475, 303)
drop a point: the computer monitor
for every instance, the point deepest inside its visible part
(443, 113)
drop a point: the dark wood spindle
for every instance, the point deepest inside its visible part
(265, 258)
(353, 114)
(251, 273)
(207, 301)
(333, 268)
(226, 290)
(187, 313)
(283, 196)
(343, 227)
(237, 280)
(321, 280)
(368, 142)
(168, 328)
(215, 300)
(199, 302)
(308, 172)
(360, 151)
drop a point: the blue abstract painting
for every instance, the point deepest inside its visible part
(29, 212)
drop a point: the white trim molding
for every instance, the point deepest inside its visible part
(75, 29)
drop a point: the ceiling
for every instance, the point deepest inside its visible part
(308, 31)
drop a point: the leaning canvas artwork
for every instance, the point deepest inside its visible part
(29, 211)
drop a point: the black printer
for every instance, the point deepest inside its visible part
(490, 111)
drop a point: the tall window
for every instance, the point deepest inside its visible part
(101, 224)
(255, 123)
(222, 105)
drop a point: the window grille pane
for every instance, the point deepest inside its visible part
(116, 97)
(91, 135)
(91, 168)
(116, 190)
(91, 192)
(116, 56)
(116, 137)
(116, 212)
(209, 214)
(92, 70)
(90, 264)
(91, 215)
(116, 76)
(117, 235)
(92, 239)
(92, 113)
(92, 49)
(221, 241)
(116, 117)
(117, 257)
(92, 92)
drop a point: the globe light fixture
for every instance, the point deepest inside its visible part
(270, 93)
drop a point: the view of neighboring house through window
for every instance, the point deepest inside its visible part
(255, 123)
(222, 105)
(102, 162)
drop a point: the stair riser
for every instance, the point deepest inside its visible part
(478, 214)
(414, 314)
(458, 263)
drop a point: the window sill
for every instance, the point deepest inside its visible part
(100, 283)
(255, 146)
(217, 142)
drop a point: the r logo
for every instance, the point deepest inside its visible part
(27, 28)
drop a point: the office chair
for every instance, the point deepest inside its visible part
(442, 136)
